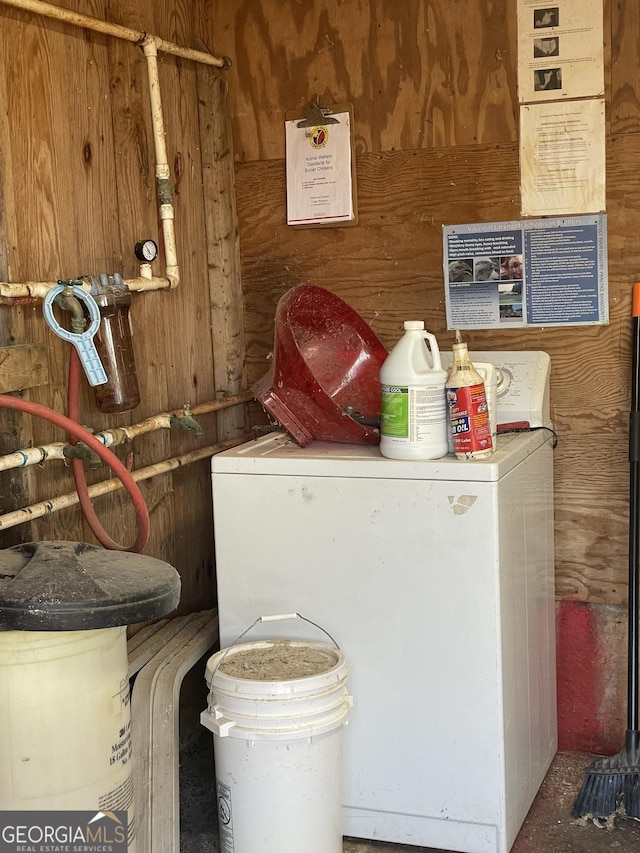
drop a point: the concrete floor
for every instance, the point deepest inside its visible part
(549, 827)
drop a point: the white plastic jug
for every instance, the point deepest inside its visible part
(413, 412)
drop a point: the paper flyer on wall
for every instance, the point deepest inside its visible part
(560, 49)
(319, 175)
(544, 272)
(562, 158)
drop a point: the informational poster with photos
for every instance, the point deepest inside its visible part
(538, 272)
(560, 49)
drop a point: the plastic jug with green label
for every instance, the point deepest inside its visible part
(413, 412)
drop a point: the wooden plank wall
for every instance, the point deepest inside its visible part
(78, 191)
(433, 85)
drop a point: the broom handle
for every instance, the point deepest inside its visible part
(633, 705)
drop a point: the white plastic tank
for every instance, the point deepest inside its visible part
(66, 741)
(64, 715)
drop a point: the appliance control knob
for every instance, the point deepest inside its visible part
(504, 378)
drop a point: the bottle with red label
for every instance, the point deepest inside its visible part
(468, 407)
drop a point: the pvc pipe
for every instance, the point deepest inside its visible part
(164, 191)
(48, 507)
(32, 456)
(39, 289)
(118, 435)
(27, 289)
(88, 22)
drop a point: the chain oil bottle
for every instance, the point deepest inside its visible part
(468, 407)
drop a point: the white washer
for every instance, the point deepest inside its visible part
(436, 578)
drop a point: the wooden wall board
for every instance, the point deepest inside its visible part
(625, 69)
(189, 354)
(138, 219)
(84, 164)
(15, 431)
(391, 263)
(82, 182)
(46, 209)
(23, 366)
(419, 73)
(223, 248)
(591, 676)
(389, 268)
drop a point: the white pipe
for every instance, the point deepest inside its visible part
(165, 191)
(39, 289)
(89, 23)
(119, 435)
(48, 507)
(32, 456)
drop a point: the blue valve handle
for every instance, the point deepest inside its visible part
(82, 341)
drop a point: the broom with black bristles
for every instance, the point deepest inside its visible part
(612, 784)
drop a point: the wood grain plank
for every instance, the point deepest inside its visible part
(23, 366)
(189, 353)
(625, 81)
(390, 268)
(223, 249)
(15, 431)
(82, 157)
(138, 220)
(419, 74)
(43, 138)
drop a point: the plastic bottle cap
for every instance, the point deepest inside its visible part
(413, 325)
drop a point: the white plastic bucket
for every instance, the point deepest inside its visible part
(65, 722)
(276, 709)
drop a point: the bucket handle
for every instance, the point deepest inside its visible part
(277, 617)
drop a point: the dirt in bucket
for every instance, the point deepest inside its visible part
(280, 661)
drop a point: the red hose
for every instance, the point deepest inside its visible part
(78, 433)
(142, 515)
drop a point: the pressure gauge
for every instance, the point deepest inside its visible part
(146, 251)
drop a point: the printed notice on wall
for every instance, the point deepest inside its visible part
(319, 172)
(562, 158)
(544, 272)
(560, 49)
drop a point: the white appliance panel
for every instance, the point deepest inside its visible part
(436, 579)
(277, 454)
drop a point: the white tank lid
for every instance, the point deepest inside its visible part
(413, 325)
